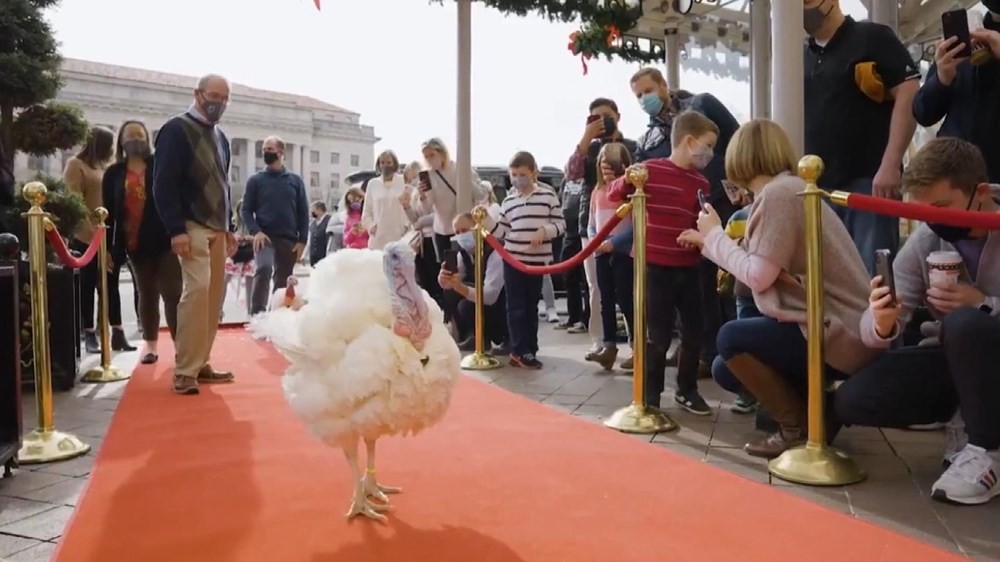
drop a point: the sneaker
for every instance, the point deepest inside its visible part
(577, 328)
(694, 403)
(955, 438)
(744, 404)
(526, 361)
(468, 344)
(627, 365)
(972, 478)
(563, 325)
(552, 316)
(500, 349)
(185, 385)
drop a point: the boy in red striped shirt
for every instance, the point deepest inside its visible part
(672, 278)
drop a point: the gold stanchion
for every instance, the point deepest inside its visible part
(639, 417)
(481, 360)
(44, 444)
(105, 372)
(815, 463)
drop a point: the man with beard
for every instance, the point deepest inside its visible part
(860, 82)
(662, 105)
(192, 194)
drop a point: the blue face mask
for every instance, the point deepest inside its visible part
(466, 241)
(520, 182)
(651, 104)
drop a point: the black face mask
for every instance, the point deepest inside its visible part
(270, 158)
(135, 147)
(952, 234)
(610, 127)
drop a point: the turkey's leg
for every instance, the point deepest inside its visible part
(360, 504)
(371, 486)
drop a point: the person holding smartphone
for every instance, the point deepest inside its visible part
(953, 378)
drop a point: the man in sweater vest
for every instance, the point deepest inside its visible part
(192, 194)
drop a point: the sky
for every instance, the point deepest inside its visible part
(392, 61)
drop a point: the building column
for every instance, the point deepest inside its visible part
(885, 12)
(305, 165)
(672, 46)
(292, 150)
(787, 71)
(463, 152)
(760, 58)
(251, 160)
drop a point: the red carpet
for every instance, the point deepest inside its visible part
(232, 476)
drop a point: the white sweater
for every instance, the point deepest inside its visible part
(383, 212)
(444, 201)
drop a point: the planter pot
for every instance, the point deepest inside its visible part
(10, 367)
(64, 326)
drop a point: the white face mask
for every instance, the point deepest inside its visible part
(701, 156)
(466, 241)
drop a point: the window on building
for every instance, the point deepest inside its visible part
(36, 163)
(355, 160)
(314, 157)
(334, 181)
(335, 158)
(314, 179)
(259, 149)
(236, 148)
(234, 174)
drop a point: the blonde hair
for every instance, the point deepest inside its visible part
(412, 167)
(437, 145)
(612, 152)
(759, 148)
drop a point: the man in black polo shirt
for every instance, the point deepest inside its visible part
(859, 87)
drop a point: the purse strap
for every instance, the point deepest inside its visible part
(452, 189)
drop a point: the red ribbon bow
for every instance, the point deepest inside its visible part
(584, 57)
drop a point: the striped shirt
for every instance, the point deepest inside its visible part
(522, 215)
(672, 208)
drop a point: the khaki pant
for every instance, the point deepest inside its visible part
(201, 299)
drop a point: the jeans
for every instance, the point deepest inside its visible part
(779, 345)
(615, 276)
(275, 261)
(869, 231)
(918, 385)
(577, 309)
(523, 292)
(90, 285)
(745, 308)
(670, 291)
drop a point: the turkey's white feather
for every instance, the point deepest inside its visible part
(350, 375)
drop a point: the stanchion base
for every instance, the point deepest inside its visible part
(636, 418)
(50, 446)
(815, 465)
(104, 375)
(480, 362)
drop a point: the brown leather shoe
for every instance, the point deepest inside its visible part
(185, 385)
(773, 445)
(605, 357)
(208, 375)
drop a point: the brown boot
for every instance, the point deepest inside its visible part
(605, 357)
(776, 396)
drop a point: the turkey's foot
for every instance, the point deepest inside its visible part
(377, 491)
(361, 505)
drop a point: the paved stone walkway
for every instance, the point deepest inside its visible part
(37, 502)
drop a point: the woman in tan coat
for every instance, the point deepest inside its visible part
(83, 175)
(768, 354)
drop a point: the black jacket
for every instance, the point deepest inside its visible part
(153, 238)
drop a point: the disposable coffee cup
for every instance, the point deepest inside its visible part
(943, 268)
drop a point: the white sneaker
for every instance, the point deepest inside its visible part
(553, 316)
(972, 478)
(955, 438)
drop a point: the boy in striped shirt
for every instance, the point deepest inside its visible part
(672, 276)
(530, 218)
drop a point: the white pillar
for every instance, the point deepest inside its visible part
(292, 162)
(463, 152)
(306, 165)
(760, 58)
(885, 12)
(251, 163)
(671, 41)
(787, 70)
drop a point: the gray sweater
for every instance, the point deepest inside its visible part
(910, 272)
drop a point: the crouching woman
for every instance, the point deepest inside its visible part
(767, 355)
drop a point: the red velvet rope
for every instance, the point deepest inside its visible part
(561, 267)
(926, 213)
(59, 245)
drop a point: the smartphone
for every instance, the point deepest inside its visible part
(956, 24)
(425, 180)
(451, 260)
(592, 118)
(702, 201)
(883, 268)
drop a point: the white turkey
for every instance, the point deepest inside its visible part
(370, 356)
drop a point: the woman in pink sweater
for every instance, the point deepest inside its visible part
(768, 354)
(352, 207)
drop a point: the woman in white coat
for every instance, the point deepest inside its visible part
(383, 216)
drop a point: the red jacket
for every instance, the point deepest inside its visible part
(672, 208)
